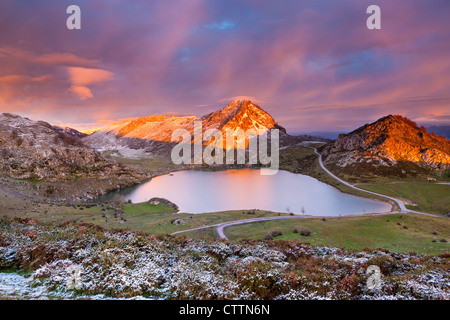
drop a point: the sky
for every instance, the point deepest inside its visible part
(313, 65)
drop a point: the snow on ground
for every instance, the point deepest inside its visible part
(15, 286)
(101, 264)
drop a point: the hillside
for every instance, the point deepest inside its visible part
(393, 145)
(34, 151)
(69, 131)
(136, 265)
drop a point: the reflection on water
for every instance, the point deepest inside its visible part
(201, 191)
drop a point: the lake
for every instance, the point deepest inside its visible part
(247, 189)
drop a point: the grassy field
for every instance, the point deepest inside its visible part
(348, 232)
(425, 197)
(397, 233)
(145, 164)
(152, 219)
(141, 217)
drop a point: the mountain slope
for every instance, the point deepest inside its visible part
(69, 131)
(33, 150)
(152, 135)
(239, 114)
(390, 144)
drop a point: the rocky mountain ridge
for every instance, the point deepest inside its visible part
(69, 131)
(152, 135)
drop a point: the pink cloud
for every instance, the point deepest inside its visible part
(86, 76)
(81, 77)
(82, 92)
(16, 79)
(64, 58)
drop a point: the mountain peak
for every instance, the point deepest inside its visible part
(240, 103)
(239, 114)
(392, 141)
(235, 107)
(153, 134)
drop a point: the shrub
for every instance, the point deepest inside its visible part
(295, 230)
(276, 233)
(268, 236)
(305, 232)
(350, 284)
(386, 263)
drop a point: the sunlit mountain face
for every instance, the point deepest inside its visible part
(393, 145)
(313, 66)
(238, 115)
(235, 123)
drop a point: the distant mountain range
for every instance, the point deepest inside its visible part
(393, 145)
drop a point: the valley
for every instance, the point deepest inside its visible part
(63, 198)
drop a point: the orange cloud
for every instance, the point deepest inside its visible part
(64, 58)
(80, 78)
(16, 78)
(82, 92)
(86, 76)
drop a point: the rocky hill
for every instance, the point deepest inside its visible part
(34, 151)
(147, 136)
(391, 145)
(69, 131)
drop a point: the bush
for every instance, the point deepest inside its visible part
(118, 198)
(305, 232)
(276, 233)
(268, 236)
(295, 230)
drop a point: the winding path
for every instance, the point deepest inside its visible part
(400, 203)
(221, 226)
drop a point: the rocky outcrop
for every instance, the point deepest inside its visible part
(69, 131)
(390, 141)
(34, 150)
